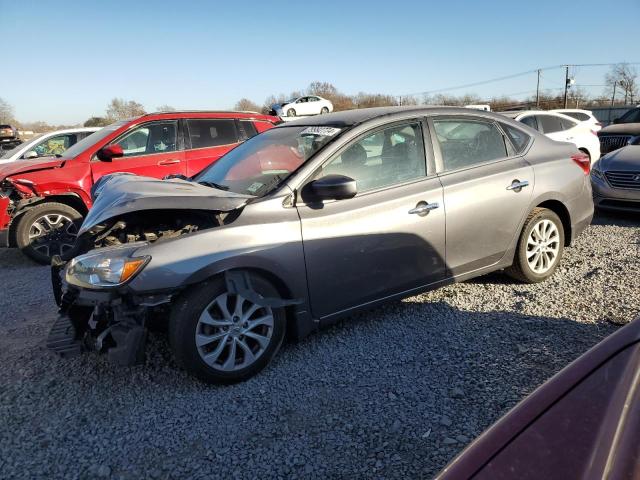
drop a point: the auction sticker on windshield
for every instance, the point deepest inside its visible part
(323, 131)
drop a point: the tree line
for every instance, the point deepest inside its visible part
(621, 87)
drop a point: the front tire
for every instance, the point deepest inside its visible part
(48, 229)
(291, 112)
(225, 338)
(540, 247)
(324, 110)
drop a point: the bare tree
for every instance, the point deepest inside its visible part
(6, 112)
(625, 78)
(120, 109)
(165, 108)
(97, 122)
(246, 105)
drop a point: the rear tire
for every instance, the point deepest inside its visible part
(220, 342)
(48, 229)
(539, 248)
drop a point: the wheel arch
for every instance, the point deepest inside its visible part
(559, 208)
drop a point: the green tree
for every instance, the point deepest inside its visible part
(97, 122)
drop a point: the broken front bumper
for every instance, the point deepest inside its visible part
(111, 321)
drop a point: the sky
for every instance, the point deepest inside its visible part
(63, 61)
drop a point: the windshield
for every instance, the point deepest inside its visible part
(259, 165)
(92, 139)
(13, 151)
(632, 116)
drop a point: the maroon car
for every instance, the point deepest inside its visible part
(584, 423)
(42, 200)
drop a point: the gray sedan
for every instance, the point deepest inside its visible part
(310, 222)
(616, 180)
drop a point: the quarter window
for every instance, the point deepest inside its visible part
(519, 139)
(159, 137)
(531, 121)
(464, 143)
(208, 132)
(388, 157)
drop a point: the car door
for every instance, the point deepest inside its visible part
(152, 149)
(487, 189)
(387, 239)
(207, 140)
(302, 106)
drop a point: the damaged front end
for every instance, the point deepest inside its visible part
(97, 311)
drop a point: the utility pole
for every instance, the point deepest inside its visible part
(538, 91)
(613, 98)
(566, 84)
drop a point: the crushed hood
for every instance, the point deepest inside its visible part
(625, 159)
(25, 166)
(121, 194)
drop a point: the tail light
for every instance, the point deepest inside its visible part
(583, 161)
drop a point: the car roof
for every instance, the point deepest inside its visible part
(349, 118)
(576, 110)
(73, 130)
(204, 113)
(517, 114)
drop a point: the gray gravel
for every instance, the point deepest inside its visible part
(394, 393)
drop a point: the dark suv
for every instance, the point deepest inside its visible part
(43, 200)
(9, 137)
(624, 131)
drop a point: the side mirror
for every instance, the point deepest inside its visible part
(108, 153)
(332, 187)
(30, 154)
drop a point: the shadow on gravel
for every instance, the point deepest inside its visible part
(392, 393)
(618, 219)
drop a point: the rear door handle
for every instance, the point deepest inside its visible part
(422, 208)
(168, 162)
(518, 185)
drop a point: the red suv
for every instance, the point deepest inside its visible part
(43, 201)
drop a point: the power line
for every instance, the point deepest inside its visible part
(515, 75)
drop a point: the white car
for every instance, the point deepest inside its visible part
(301, 106)
(586, 116)
(561, 128)
(46, 144)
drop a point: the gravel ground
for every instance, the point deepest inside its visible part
(393, 393)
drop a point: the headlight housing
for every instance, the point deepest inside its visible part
(105, 269)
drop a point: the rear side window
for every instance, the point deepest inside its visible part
(577, 115)
(519, 139)
(531, 121)
(464, 143)
(550, 124)
(208, 132)
(567, 124)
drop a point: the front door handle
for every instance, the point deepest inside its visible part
(173, 161)
(518, 185)
(422, 208)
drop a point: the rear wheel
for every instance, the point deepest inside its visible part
(540, 247)
(291, 112)
(48, 229)
(222, 337)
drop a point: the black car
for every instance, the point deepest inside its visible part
(624, 131)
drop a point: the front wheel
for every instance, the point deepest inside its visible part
(291, 112)
(540, 247)
(222, 337)
(48, 229)
(324, 110)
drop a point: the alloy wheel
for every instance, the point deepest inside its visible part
(52, 234)
(543, 246)
(233, 332)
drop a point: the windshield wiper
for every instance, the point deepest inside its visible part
(214, 185)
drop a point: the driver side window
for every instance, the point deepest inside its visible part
(467, 142)
(159, 137)
(384, 158)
